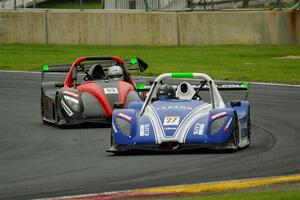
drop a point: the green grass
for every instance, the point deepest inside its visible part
(271, 195)
(69, 5)
(225, 62)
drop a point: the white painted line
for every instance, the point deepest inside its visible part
(150, 77)
(84, 195)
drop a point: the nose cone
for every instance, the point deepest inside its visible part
(172, 113)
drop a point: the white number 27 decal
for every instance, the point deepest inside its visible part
(171, 120)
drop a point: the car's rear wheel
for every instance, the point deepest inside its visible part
(42, 105)
(249, 127)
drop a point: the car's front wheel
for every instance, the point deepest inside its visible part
(58, 114)
(235, 133)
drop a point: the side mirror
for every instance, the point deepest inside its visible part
(118, 105)
(235, 103)
(142, 65)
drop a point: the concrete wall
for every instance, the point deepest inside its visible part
(140, 28)
(22, 27)
(112, 28)
(240, 28)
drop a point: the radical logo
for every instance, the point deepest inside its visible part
(174, 107)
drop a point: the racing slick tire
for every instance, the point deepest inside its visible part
(58, 115)
(42, 105)
(249, 127)
(235, 133)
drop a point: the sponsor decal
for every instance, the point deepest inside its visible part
(124, 116)
(221, 114)
(144, 130)
(229, 86)
(170, 128)
(110, 90)
(174, 107)
(199, 128)
(71, 94)
(171, 120)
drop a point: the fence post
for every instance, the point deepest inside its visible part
(81, 5)
(212, 4)
(280, 4)
(146, 5)
(15, 4)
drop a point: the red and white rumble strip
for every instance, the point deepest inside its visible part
(200, 188)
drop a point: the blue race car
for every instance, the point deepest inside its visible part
(175, 118)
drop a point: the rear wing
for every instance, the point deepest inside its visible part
(235, 86)
(221, 87)
(131, 64)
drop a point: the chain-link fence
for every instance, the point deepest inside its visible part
(190, 5)
(19, 3)
(169, 5)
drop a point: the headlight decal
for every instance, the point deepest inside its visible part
(216, 125)
(124, 126)
(71, 99)
(72, 102)
(66, 108)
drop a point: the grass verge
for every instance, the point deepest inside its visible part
(69, 4)
(280, 64)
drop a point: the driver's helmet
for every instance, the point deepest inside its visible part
(165, 91)
(115, 72)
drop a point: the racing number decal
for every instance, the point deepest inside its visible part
(171, 120)
(110, 90)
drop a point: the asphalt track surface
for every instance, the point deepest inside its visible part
(38, 160)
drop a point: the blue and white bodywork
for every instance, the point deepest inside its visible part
(186, 122)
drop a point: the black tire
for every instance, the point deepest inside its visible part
(111, 138)
(249, 127)
(58, 115)
(42, 105)
(235, 133)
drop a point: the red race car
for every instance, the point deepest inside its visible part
(94, 86)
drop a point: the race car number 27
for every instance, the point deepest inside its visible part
(171, 120)
(110, 90)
